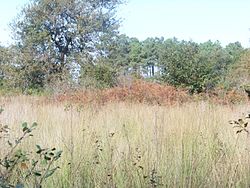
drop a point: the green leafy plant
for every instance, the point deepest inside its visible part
(19, 167)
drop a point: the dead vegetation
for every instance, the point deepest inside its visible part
(149, 93)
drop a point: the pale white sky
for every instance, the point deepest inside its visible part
(197, 20)
(8, 11)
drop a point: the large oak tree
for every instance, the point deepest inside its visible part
(55, 33)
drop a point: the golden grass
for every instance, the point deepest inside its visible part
(137, 145)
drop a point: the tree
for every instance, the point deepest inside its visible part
(239, 74)
(179, 64)
(19, 73)
(151, 49)
(56, 32)
(2, 65)
(100, 75)
(215, 60)
(135, 57)
(118, 55)
(198, 67)
(235, 50)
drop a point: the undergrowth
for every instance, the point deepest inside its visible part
(149, 93)
(24, 167)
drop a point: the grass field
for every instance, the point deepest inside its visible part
(137, 145)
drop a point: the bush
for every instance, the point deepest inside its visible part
(98, 76)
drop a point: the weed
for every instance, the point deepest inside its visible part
(19, 167)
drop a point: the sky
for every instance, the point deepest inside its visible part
(196, 20)
(8, 11)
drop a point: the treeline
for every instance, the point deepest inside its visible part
(198, 67)
(77, 43)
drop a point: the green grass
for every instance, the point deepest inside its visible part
(136, 145)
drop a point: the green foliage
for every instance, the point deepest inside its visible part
(197, 67)
(238, 76)
(5, 62)
(64, 48)
(135, 59)
(215, 61)
(179, 64)
(98, 76)
(235, 51)
(19, 168)
(151, 51)
(19, 73)
(52, 36)
(118, 55)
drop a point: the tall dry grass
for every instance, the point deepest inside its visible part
(137, 145)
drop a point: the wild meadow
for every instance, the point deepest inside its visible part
(122, 144)
(84, 104)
